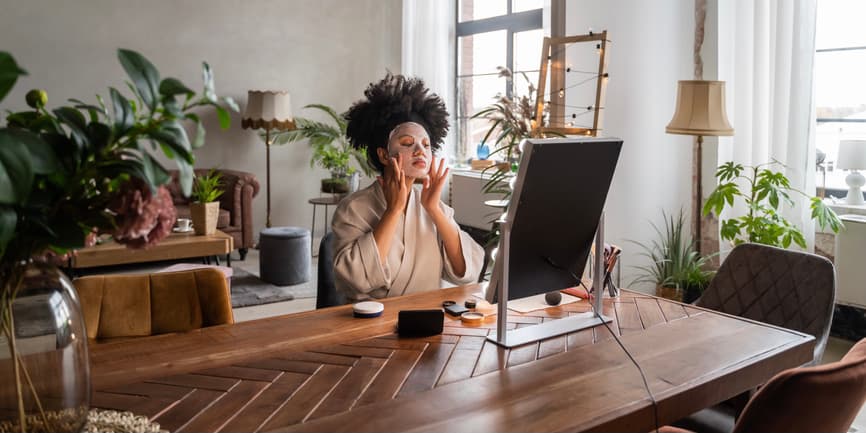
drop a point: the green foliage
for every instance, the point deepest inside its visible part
(673, 259)
(208, 188)
(511, 121)
(763, 223)
(331, 148)
(61, 168)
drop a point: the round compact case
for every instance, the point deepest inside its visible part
(368, 309)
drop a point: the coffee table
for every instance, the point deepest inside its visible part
(175, 246)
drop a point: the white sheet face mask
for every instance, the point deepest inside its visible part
(411, 140)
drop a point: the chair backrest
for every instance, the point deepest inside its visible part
(326, 294)
(822, 398)
(149, 304)
(792, 289)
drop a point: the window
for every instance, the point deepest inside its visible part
(840, 96)
(490, 34)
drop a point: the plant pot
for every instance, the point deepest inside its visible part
(335, 185)
(204, 217)
(51, 347)
(692, 293)
(354, 182)
(672, 293)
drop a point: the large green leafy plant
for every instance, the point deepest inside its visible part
(511, 120)
(84, 168)
(331, 148)
(767, 191)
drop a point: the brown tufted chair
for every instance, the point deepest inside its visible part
(149, 304)
(236, 205)
(822, 398)
(791, 289)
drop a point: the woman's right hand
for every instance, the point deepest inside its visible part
(394, 184)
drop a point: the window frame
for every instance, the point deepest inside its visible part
(511, 22)
(823, 189)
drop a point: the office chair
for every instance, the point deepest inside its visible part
(326, 294)
(821, 398)
(791, 289)
(150, 304)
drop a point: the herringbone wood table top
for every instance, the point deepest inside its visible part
(326, 371)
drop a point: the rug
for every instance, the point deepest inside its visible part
(249, 290)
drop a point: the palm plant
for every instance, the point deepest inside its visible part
(331, 148)
(674, 263)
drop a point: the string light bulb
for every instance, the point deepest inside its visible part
(561, 92)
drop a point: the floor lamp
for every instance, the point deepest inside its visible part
(268, 110)
(700, 111)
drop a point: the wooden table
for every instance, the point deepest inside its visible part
(327, 371)
(175, 246)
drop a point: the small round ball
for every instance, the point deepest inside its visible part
(553, 298)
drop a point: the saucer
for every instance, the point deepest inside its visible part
(178, 230)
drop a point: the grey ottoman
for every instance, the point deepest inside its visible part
(284, 255)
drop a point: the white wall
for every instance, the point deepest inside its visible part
(322, 51)
(650, 49)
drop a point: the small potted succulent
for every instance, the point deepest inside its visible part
(204, 210)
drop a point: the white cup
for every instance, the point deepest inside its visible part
(184, 224)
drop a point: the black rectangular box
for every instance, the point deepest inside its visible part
(419, 323)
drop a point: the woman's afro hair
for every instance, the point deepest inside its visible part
(388, 103)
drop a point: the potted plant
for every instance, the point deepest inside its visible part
(68, 174)
(204, 210)
(763, 224)
(331, 149)
(677, 270)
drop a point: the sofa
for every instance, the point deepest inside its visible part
(236, 205)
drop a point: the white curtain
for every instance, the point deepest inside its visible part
(766, 54)
(428, 51)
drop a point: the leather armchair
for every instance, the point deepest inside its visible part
(236, 205)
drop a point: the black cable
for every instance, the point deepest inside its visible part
(598, 314)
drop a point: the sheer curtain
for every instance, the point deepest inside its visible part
(766, 54)
(428, 51)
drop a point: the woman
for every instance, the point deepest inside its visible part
(392, 239)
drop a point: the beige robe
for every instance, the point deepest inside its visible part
(416, 261)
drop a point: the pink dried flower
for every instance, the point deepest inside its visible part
(143, 219)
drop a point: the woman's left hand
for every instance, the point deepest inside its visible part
(431, 193)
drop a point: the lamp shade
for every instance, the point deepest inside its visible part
(268, 110)
(852, 155)
(700, 109)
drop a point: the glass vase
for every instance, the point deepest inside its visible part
(49, 386)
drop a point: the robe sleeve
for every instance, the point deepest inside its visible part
(356, 257)
(473, 254)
